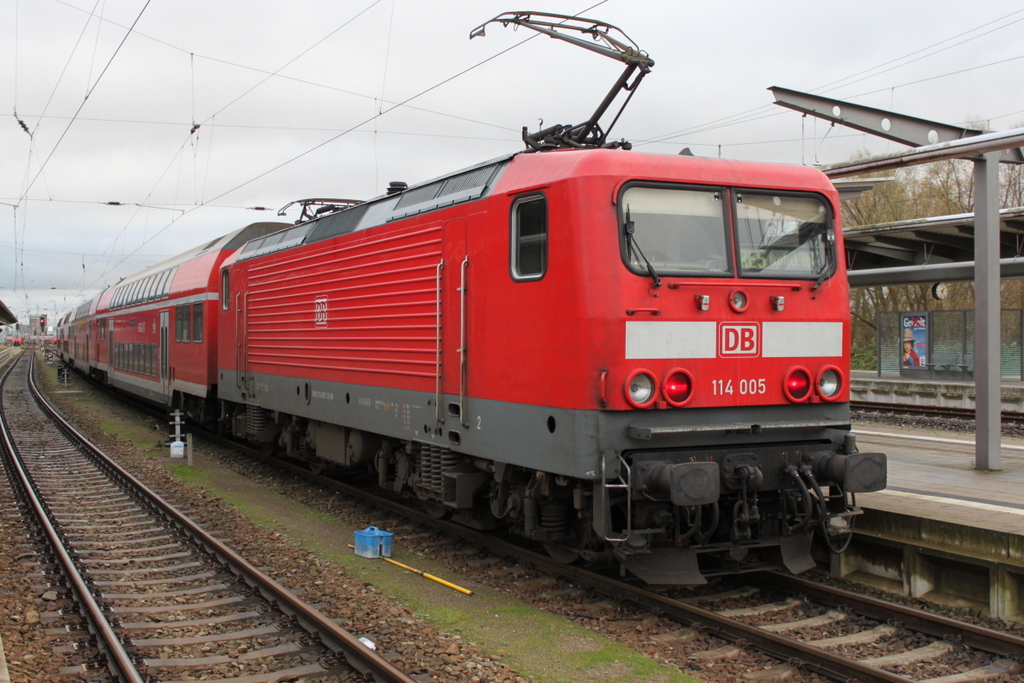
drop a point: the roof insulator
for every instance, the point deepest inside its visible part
(397, 186)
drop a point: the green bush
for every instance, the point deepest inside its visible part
(864, 358)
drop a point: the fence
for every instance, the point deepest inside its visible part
(942, 344)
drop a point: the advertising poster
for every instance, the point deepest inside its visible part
(915, 340)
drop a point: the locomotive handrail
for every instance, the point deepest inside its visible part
(462, 345)
(239, 378)
(626, 484)
(438, 375)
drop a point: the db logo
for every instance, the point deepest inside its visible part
(735, 339)
(320, 311)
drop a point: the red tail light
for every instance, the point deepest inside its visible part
(797, 385)
(677, 387)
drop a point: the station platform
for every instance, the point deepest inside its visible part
(941, 529)
(932, 475)
(944, 393)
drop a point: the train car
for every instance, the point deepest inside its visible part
(77, 348)
(620, 355)
(154, 334)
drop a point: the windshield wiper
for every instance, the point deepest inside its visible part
(630, 229)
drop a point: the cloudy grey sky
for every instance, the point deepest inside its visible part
(336, 99)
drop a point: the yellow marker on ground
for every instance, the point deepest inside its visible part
(425, 575)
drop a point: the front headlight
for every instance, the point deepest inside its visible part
(640, 389)
(830, 382)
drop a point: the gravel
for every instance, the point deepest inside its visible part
(420, 647)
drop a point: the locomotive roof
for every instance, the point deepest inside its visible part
(466, 185)
(532, 170)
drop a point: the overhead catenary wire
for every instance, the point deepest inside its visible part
(209, 203)
(756, 113)
(91, 89)
(343, 133)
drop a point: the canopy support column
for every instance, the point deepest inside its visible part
(987, 324)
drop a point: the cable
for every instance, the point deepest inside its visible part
(67, 64)
(333, 138)
(945, 75)
(752, 114)
(835, 84)
(84, 100)
(294, 79)
(383, 83)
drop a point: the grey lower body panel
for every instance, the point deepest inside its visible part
(574, 443)
(151, 390)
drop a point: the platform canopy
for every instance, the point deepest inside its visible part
(934, 141)
(6, 317)
(929, 249)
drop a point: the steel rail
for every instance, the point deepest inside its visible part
(934, 625)
(786, 649)
(1007, 417)
(118, 659)
(781, 647)
(359, 656)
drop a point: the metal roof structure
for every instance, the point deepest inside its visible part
(6, 317)
(933, 141)
(929, 249)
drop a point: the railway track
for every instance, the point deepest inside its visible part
(144, 592)
(1007, 417)
(788, 604)
(804, 626)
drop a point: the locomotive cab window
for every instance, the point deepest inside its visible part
(781, 236)
(674, 231)
(529, 237)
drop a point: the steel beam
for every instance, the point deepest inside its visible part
(907, 130)
(979, 144)
(987, 347)
(934, 272)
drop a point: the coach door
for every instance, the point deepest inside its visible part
(453, 291)
(165, 362)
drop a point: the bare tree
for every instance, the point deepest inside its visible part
(938, 189)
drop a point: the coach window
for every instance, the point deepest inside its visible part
(225, 289)
(529, 237)
(181, 321)
(197, 321)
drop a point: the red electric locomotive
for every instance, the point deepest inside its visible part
(622, 356)
(610, 352)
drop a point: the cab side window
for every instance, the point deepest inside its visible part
(529, 237)
(225, 289)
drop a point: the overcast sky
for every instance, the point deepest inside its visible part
(301, 99)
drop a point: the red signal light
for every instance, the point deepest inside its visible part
(797, 386)
(677, 387)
